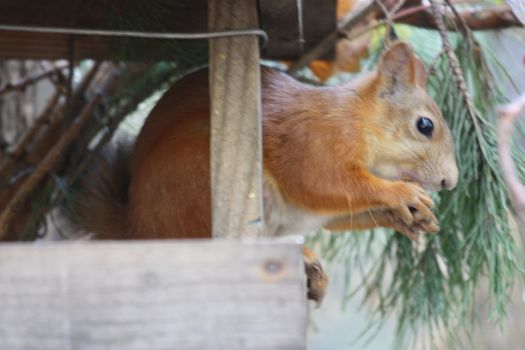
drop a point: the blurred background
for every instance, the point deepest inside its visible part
(460, 288)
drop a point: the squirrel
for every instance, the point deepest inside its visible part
(348, 157)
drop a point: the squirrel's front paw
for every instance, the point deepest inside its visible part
(412, 231)
(413, 207)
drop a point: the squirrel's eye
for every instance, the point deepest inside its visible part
(425, 126)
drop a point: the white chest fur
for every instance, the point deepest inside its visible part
(282, 218)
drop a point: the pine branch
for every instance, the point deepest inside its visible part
(389, 17)
(54, 154)
(453, 60)
(454, 63)
(23, 83)
(430, 288)
(11, 157)
(492, 18)
(325, 45)
(33, 147)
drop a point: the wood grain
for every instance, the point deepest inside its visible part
(152, 295)
(236, 132)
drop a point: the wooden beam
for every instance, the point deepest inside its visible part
(177, 16)
(295, 26)
(236, 132)
(42, 46)
(52, 46)
(280, 19)
(152, 295)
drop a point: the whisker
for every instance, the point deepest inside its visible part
(350, 211)
(373, 219)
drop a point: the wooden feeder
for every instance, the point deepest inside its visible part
(177, 295)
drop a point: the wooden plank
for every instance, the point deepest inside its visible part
(170, 16)
(152, 295)
(19, 45)
(284, 20)
(181, 16)
(51, 46)
(280, 19)
(317, 27)
(236, 136)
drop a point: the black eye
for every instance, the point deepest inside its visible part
(425, 126)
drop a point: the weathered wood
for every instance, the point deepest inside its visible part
(42, 46)
(236, 140)
(152, 295)
(278, 18)
(294, 27)
(312, 10)
(177, 16)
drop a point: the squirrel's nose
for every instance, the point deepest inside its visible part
(447, 184)
(449, 174)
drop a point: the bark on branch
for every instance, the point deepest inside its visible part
(23, 83)
(6, 164)
(55, 154)
(496, 17)
(492, 18)
(349, 22)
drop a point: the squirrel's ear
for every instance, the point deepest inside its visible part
(400, 68)
(420, 73)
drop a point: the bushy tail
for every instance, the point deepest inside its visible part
(100, 203)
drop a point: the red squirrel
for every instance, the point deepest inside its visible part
(349, 157)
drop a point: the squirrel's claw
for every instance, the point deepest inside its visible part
(316, 278)
(427, 225)
(422, 224)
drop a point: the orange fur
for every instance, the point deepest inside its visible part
(333, 156)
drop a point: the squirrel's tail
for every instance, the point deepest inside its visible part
(100, 204)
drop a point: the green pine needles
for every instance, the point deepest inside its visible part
(431, 286)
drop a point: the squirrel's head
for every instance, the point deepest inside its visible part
(415, 143)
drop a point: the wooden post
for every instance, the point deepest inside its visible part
(236, 142)
(205, 295)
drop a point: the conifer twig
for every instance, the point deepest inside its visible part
(389, 17)
(54, 155)
(11, 157)
(329, 41)
(486, 18)
(23, 83)
(454, 64)
(452, 58)
(39, 149)
(495, 17)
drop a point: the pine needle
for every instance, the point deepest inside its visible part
(432, 289)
